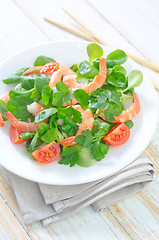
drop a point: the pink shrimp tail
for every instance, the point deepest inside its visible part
(69, 141)
(32, 70)
(21, 126)
(131, 112)
(99, 80)
(128, 114)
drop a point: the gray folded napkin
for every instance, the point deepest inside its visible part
(50, 203)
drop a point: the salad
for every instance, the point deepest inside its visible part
(72, 114)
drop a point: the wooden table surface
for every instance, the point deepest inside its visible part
(129, 25)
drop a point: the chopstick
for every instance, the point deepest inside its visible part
(102, 41)
(89, 38)
(71, 30)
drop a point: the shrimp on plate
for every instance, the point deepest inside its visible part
(34, 109)
(128, 114)
(48, 68)
(32, 70)
(98, 81)
(59, 74)
(21, 126)
(87, 123)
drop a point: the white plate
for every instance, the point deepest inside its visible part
(15, 159)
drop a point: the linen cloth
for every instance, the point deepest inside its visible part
(51, 203)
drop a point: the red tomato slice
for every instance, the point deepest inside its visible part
(1, 121)
(118, 135)
(15, 136)
(50, 68)
(47, 153)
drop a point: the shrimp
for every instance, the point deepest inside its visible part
(34, 108)
(99, 80)
(22, 126)
(5, 97)
(87, 123)
(128, 114)
(59, 74)
(32, 70)
(48, 68)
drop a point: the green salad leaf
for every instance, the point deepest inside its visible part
(70, 116)
(116, 57)
(85, 139)
(135, 79)
(61, 94)
(42, 60)
(18, 106)
(26, 135)
(87, 70)
(112, 110)
(45, 114)
(46, 94)
(41, 80)
(82, 79)
(99, 150)
(33, 142)
(100, 129)
(19, 92)
(116, 79)
(94, 51)
(27, 81)
(77, 155)
(93, 141)
(70, 156)
(76, 115)
(82, 97)
(69, 128)
(50, 135)
(15, 78)
(43, 127)
(3, 108)
(119, 68)
(100, 101)
(74, 67)
(129, 123)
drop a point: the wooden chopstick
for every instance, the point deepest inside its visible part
(71, 30)
(89, 38)
(102, 41)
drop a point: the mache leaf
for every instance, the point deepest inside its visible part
(42, 60)
(94, 51)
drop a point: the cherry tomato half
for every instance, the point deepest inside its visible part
(49, 68)
(1, 121)
(118, 135)
(15, 136)
(47, 153)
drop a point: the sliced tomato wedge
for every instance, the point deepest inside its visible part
(118, 135)
(15, 136)
(47, 153)
(1, 121)
(50, 68)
